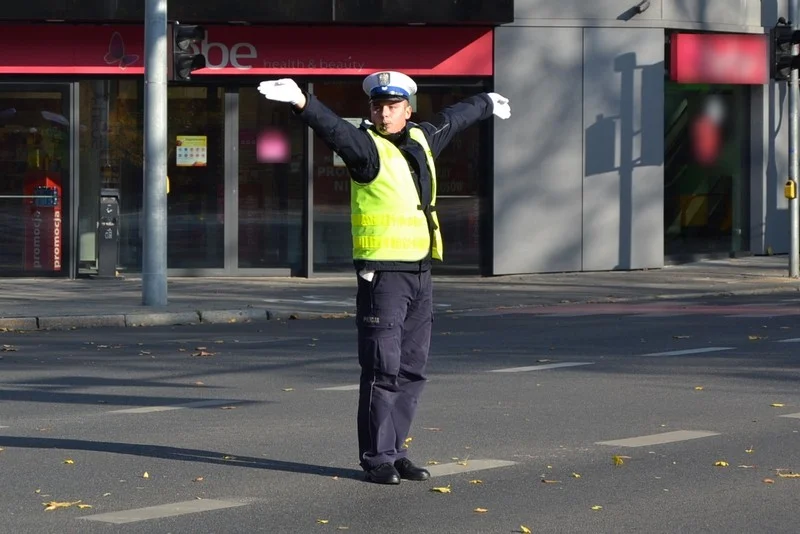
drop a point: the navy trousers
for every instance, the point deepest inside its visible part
(394, 313)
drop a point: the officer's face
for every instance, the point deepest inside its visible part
(390, 117)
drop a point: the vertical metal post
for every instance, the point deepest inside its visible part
(154, 261)
(794, 157)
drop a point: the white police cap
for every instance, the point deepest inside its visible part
(389, 84)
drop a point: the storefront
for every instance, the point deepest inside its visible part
(251, 191)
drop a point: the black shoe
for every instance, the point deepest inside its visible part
(408, 471)
(383, 474)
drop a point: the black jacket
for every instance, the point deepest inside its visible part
(360, 155)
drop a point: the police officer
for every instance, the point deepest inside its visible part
(396, 234)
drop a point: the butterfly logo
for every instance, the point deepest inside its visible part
(116, 53)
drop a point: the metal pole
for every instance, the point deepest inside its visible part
(794, 156)
(154, 261)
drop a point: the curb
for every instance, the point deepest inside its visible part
(250, 315)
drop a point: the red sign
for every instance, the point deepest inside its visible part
(719, 58)
(43, 221)
(254, 50)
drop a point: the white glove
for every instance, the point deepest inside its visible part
(283, 90)
(500, 107)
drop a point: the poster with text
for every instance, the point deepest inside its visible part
(191, 151)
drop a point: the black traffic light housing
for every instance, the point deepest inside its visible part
(184, 60)
(782, 38)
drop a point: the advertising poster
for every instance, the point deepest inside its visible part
(191, 151)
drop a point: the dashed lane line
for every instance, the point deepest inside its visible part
(351, 387)
(658, 439)
(164, 510)
(791, 415)
(792, 340)
(689, 351)
(466, 466)
(188, 405)
(539, 367)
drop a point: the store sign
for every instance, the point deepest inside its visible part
(254, 50)
(719, 58)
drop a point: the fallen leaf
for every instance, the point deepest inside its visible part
(698, 388)
(524, 529)
(777, 405)
(69, 461)
(322, 521)
(82, 506)
(721, 463)
(755, 338)
(146, 475)
(9, 348)
(788, 475)
(617, 460)
(768, 481)
(575, 475)
(432, 429)
(462, 462)
(746, 466)
(481, 510)
(597, 507)
(342, 528)
(37, 491)
(198, 383)
(750, 450)
(432, 462)
(198, 479)
(407, 442)
(445, 489)
(145, 353)
(203, 353)
(227, 458)
(106, 494)
(476, 481)
(288, 389)
(550, 481)
(54, 505)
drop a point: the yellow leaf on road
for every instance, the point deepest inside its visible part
(69, 461)
(146, 475)
(54, 505)
(721, 463)
(288, 389)
(481, 510)
(750, 450)
(82, 506)
(698, 388)
(445, 489)
(768, 481)
(476, 481)
(524, 529)
(575, 475)
(777, 405)
(432, 462)
(755, 338)
(788, 475)
(617, 460)
(597, 507)
(407, 442)
(322, 521)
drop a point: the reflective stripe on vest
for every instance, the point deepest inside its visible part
(388, 222)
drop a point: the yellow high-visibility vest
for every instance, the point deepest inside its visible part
(388, 221)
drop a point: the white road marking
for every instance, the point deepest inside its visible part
(750, 316)
(792, 340)
(164, 510)
(791, 415)
(340, 388)
(198, 404)
(658, 439)
(472, 465)
(689, 351)
(539, 367)
(3, 426)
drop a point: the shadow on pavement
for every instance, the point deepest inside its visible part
(175, 453)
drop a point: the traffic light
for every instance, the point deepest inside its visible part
(184, 60)
(782, 62)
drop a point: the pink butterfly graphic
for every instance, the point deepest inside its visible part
(116, 53)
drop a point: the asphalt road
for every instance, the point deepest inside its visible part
(238, 430)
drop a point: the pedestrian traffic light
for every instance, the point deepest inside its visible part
(782, 62)
(184, 59)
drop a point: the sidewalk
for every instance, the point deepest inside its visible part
(29, 304)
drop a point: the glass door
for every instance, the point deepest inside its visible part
(35, 134)
(271, 185)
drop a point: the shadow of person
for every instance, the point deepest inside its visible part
(179, 454)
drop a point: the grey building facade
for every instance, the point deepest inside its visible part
(582, 180)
